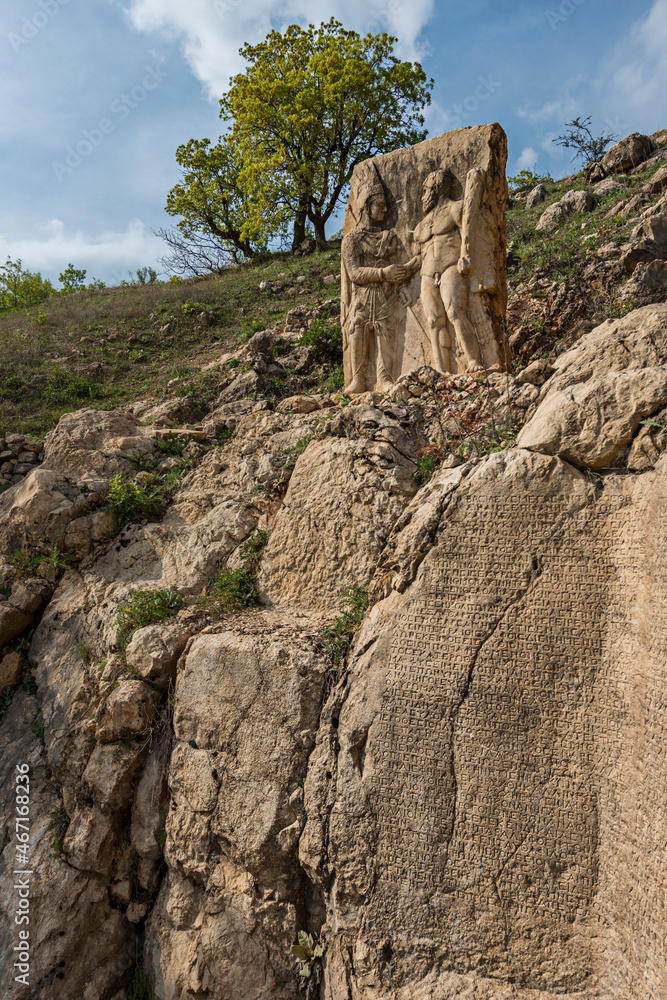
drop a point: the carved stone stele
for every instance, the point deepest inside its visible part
(423, 260)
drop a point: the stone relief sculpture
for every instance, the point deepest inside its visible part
(429, 287)
(444, 237)
(371, 275)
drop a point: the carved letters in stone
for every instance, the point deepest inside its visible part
(423, 260)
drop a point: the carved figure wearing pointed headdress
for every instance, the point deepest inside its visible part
(370, 277)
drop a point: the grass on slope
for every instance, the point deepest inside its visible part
(105, 348)
(562, 254)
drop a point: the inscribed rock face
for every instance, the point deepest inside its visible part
(423, 260)
(498, 780)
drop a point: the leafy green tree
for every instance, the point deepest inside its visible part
(218, 222)
(146, 276)
(311, 105)
(22, 288)
(72, 279)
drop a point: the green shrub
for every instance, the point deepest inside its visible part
(297, 449)
(21, 288)
(25, 564)
(234, 589)
(146, 276)
(496, 437)
(172, 444)
(62, 388)
(338, 636)
(130, 501)
(145, 607)
(84, 652)
(428, 460)
(138, 988)
(336, 381)
(237, 588)
(528, 178)
(190, 308)
(326, 341)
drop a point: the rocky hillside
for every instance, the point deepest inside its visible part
(381, 680)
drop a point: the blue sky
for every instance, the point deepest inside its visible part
(124, 82)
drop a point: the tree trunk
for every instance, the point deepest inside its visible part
(299, 229)
(320, 238)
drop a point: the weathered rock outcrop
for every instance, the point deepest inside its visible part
(473, 807)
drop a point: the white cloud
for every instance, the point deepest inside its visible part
(108, 256)
(557, 110)
(212, 31)
(639, 72)
(527, 160)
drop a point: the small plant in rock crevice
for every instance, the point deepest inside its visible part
(145, 607)
(234, 589)
(131, 502)
(139, 987)
(38, 728)
(84, 652)
(172, 444)
(59, 822)
(429, 459)
(337, 637)
(308, 954)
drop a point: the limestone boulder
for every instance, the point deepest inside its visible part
(236, 948)
(109, 774)
(11, 668)
(450, 752)
(149, 809)
(246, 717)
(573, 201)
(648, 240)
(650, 444)
(627, 153)
(93, 443)
(647, 284)
(607, 186)
(231, 696)
(36, 509)
(536, 196)
(81, 945)
(591, 424)
(594, 172)
(631, 343)
(22, 607)
(129, 711)
(12, 622)
(552, 216)
(659, 138)
(581, 201)
(324, 540)
(658, 182)
(153, 653)
(91, 839)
